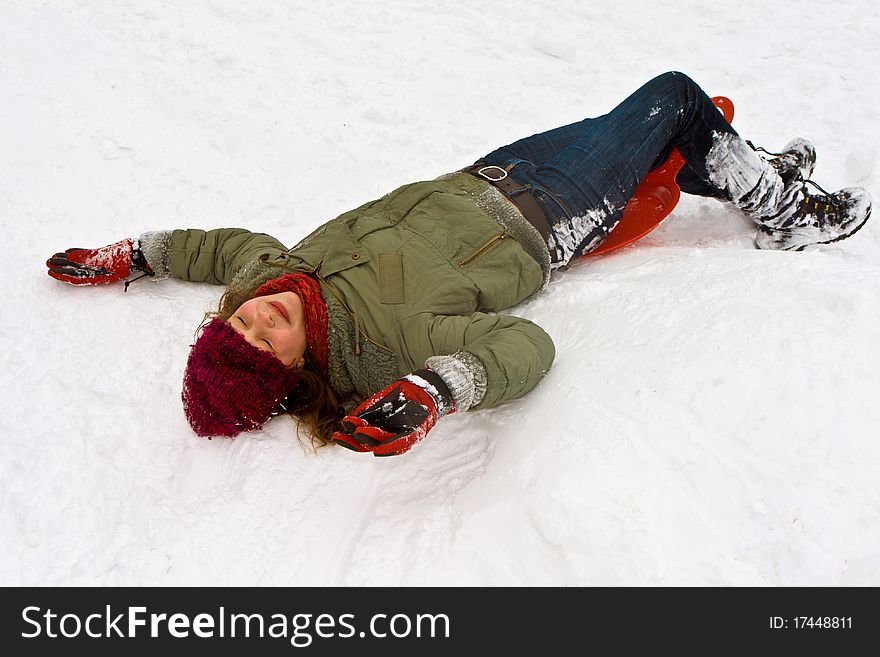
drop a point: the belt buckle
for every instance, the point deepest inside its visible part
(481, 171)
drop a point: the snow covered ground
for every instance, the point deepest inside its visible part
(712, 417)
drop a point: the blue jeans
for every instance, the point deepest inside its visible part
(583, 174)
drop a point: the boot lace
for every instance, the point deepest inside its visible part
(787, 169)
(762, 149)
(825, 206)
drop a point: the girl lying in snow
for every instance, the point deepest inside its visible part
(382, 320)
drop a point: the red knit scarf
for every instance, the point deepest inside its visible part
(307, 289)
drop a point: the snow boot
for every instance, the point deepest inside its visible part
(818, 219)
(773, 194)
(753, 183)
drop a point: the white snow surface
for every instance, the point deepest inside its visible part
(712, 416)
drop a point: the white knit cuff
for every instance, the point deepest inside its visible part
(464, 374)
(156, 247)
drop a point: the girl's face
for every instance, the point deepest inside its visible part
(274, 323)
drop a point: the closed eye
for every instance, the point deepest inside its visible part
(243, 323)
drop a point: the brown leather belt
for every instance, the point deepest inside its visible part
(519, 194)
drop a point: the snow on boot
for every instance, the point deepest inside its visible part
(818, 219)
(774, 196)
(796, 161)
(752, 183)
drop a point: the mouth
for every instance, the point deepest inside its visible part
(281, 310)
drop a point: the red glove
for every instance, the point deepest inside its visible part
(108, 264)
(395, 419)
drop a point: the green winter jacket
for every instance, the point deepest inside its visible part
(417, 274)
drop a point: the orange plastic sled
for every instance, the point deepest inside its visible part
(655, 197)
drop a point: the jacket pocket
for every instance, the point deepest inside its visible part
(390, 278)
(483, 250)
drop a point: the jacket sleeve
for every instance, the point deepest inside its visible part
(212, 256)
(515, 352)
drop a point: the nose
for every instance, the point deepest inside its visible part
(266, 318)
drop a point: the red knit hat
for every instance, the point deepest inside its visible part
(230, 386)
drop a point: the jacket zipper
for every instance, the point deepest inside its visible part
(358, 333)
(483, 249)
